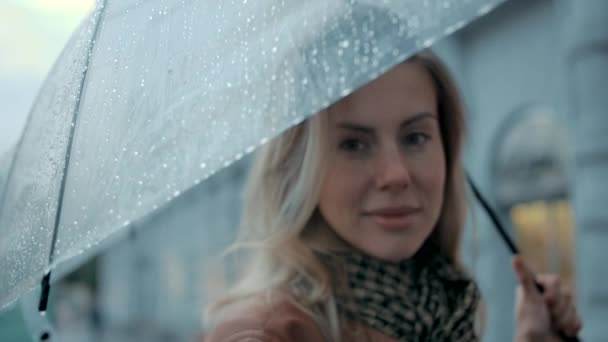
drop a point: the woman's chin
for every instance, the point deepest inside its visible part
(390, 253)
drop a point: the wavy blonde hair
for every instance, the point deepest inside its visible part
(281, 229)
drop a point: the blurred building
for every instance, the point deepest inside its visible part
(534, 75)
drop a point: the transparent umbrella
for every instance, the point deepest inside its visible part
(150, 98)
(6, 160)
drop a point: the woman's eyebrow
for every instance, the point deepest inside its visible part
(417, 117)
(356, 127)
(370, 130)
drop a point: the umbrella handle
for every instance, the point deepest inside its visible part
(507, 239)
(37, 321)
(45, 288)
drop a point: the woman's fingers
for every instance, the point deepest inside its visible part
(551, 289)
(561, 304)
(570, 323)
(544, 301)
(525, 277)
(531, 311)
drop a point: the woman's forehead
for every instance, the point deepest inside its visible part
(405, 90)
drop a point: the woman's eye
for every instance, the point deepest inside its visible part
(353, 145)
(416, 139)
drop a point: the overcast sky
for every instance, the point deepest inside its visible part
(32, 34)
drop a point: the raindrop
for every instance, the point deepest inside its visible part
(344, 44)
(451, 30)
(428, 42)
(176, 193)
(165, 165)
(203, 165)
(75, 223)
(485, 9)
(346, 92)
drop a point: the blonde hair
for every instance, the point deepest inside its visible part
(281, 228)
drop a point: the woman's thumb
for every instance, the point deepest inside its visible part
(524, 275)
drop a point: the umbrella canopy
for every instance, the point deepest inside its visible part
(149, 99)
(6, 159)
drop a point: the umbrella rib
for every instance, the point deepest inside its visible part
(493, 216)
(46, 279)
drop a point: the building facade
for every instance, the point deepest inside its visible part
(535, 78)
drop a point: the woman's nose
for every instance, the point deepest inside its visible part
(392, 172)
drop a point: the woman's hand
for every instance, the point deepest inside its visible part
(541, 316)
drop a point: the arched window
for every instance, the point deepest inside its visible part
(530, 174)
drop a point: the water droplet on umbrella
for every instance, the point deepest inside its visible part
(485, 9)
(428, 42)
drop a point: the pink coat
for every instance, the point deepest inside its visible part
(257, 320)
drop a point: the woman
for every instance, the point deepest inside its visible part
(352, 223)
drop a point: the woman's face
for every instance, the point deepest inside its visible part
(383, 192)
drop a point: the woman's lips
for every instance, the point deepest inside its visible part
(394, 218)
